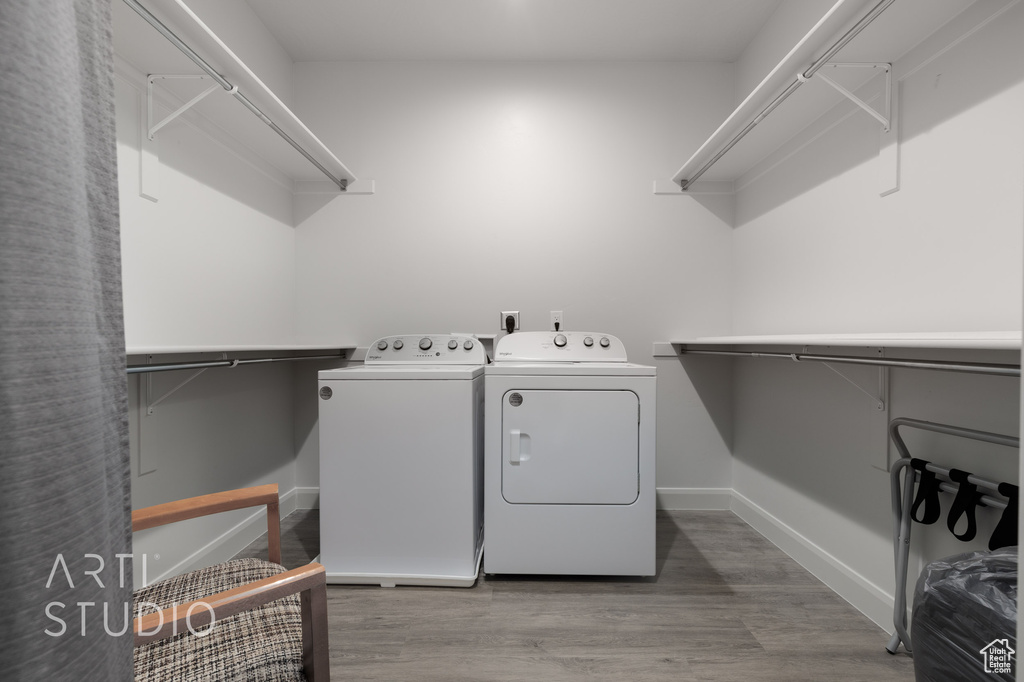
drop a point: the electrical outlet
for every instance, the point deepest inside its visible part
(505, 314)
(556, 321)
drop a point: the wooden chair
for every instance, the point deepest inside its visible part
(268, 623)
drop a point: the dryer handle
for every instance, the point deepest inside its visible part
(514, 456)
(518, 447)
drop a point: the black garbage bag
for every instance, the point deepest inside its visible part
(965, 618)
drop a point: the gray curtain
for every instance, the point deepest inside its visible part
(64, 474)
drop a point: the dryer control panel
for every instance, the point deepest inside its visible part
(559, 347)
(427, 349)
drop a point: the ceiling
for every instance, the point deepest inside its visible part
(538, 30)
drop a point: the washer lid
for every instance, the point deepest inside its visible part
(559, 347)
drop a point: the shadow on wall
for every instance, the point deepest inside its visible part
(805, 432)
(309, 203)
(306, 411)
(712, 379)
(721, 206)
(185, 150)
(984, 65)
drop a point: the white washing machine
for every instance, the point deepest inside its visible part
(569, 457)
(401, 463)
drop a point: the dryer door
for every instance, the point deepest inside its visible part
(570, 447)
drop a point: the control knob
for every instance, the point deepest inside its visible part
(398, 344)
(382, 345)
(588, 341)
(468, 345)
(605, 342)
(560, 340)
(453, 344)
(426, 343)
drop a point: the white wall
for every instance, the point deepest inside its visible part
(817, 250)
(522, 186)
(226, 429)
(211, 263)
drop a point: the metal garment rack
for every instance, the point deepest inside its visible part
(166, 32)
(943, 365)
(902, 502)
(800, 79)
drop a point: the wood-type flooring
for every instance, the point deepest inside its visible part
(726, 605)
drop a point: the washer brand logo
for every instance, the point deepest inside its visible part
(998, 657)
(326, 393)
(515, 400)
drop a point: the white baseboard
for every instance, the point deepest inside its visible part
(678, 499)
(307, 498)
(231, 542)
(862, 594)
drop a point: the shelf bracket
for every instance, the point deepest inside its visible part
(151, 403)
(878, 400)
(878, 418)
(884, 118)
(153, 128)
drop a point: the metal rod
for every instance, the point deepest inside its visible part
(792, 87)
(942, 365)
(850, 35)
(935, 427)
(984, 500)
(901, 550)
(233, 90)
(142, 369)
(685, 184)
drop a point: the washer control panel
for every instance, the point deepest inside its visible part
(559, 347)
(427, 349)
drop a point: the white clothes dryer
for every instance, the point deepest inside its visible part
(401, 463)
(569, 457)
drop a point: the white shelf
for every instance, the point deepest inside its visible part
(998, 340)
(240, 348)
(900, 28)
(138, 44)
(819, 348)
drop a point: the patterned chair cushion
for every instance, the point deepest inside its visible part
(264, 644)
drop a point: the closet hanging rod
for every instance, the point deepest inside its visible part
(232, 89)
(143, 369)
(943, 365)
(801, 78)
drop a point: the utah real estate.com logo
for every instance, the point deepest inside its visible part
(998, 657)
